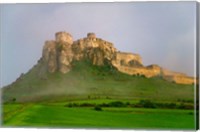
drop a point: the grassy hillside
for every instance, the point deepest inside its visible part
(86, 81)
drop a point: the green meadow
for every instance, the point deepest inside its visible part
(58, 116)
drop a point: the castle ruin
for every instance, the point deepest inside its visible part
(58, 55)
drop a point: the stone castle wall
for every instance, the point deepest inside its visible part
(127, 57)
(147, 72)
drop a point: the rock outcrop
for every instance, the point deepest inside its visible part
(58, 55)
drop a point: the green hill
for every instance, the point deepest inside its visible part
(86, 81)
(83, 84)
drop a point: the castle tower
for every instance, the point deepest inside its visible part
(91, 36)
(63, 37)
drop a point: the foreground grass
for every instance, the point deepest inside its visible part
(56, 115)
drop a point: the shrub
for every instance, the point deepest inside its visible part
(116, 104)
(161, 105)
(127, 104)
(171, 105)
(97, 108)
(185, 106)
(143, 76)
(86, 105)
(147, 104)
(71, 105)
(14, 100)
(166, 105)
(104, 105)
(68, 105)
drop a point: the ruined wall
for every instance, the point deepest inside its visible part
(147, 72)
(127, 57)
(166, 72)
(177, 77)
(122, 59)
(184, 80)
(180, 79)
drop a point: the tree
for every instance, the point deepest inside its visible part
(14, 99)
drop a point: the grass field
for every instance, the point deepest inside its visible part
(56, 115)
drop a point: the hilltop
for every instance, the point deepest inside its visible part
(93, 68)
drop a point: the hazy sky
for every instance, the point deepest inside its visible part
(162, 33)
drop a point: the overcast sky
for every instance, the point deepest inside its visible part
(162, 33)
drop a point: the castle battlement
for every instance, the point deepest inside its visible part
(91, 36)
(63, 37)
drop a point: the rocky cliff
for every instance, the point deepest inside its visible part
(59, 54)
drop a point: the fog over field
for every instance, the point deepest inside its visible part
(162, 33)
